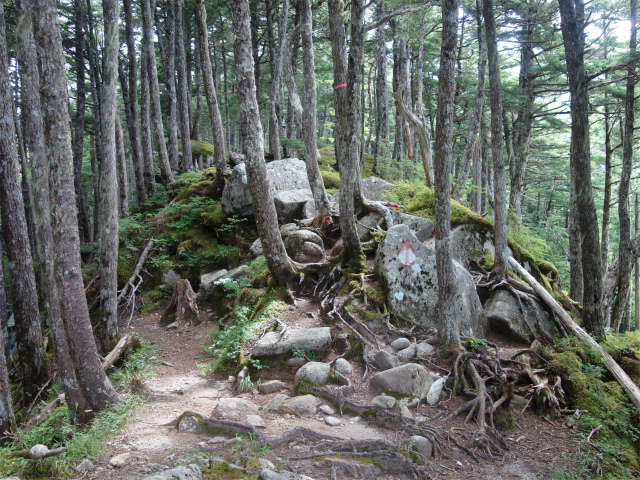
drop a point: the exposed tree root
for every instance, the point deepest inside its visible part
(216, 426)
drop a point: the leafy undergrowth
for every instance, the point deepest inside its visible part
(82, 441)
(614, 452)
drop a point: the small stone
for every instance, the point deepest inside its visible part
(400, 343)
(234, 409)
(173, 326)
(343, 367)
(275, 403)
(408, 354)
(326, 409)
(121, 460)
(434, 392)
(264, 463)
(216, 440)
(85, 466)
(385, 360)
(296, 362)
(189, 424)
(424, 348)
(303, 406)
(383, 400)
(332, 421)
(406, 413)
(421, 445)
(355, 420)
(270, 474)
(314, 372)
(271, 386)
(255, 421)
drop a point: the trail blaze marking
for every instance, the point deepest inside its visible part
(406, 253)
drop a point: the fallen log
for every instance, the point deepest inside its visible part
(37, 452)
(130, 340)
(574, 329)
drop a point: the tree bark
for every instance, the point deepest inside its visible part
(32, 110)
(123, 182)
(154, 94)
(499, 194)
(145, 124)
(219, 160)
(7, 418)
(382, 94)
(184, 117)
(309, 114)
(14, 231)
(576, 282)
(276, 73)
(66, 247)
(196, 118)
(636, 293)
(132, 106)
(606, 203)
(485, 175)
(572, 25)
(448, 325)
(346, 98)
(78, 124)
(169, 66)
(624, 216)
(263, 206)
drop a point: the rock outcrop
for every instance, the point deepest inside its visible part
(407, 269)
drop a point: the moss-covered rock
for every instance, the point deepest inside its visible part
(331, 179)
(214, 217)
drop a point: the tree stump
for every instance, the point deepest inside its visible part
(183, 307)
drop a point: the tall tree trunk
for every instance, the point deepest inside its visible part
(399, 60)
(7, 418)
(309, 114)
(346, 69)
(32, 110)
(486, 175)
(448, 325)
(154, 94)
(184, 117)
(472, 147)
(276, 73)
(255, 43)
(132, 106)
(226, 95)
(636, 293)
(500, 194)
(219, 160)
(78, 124)
(196, 117)
(169, 64)
(524, 121)
(263, 206)
(624, 216)
(606, 204)
(123, 182)
(69, 286)
(14, 231)
(572, 24)
(145, 125)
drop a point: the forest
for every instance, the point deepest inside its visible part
(455, 177)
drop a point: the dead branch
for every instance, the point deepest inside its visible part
(129, 341)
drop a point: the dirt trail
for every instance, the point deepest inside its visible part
(538, 446)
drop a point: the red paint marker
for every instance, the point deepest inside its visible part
(341, 85)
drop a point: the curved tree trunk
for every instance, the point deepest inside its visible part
(30, 75)
(66, 247)
(14, 231)
(309, 114)
(219, 160)
(448, 325)
(572, 24)
(263, 206)
(184, 118)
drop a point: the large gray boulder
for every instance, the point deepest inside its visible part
(314, 372)
(187, 472)
(294, 205)
(385, 360)
(374, 188)
(304, 246)
(303, 406)
(313, 339)
(207, 282)
(286, 174)
(234, 409)
(407, 269)
(504, 315)
(421, 227)
(410, 379)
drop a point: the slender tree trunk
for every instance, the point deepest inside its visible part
(132, 106)
(606, 206)
(500, 194)
(263, 206)
(219, 160)
(346, 68)
(472, 147)
(69, 285)
(486, 174)
(154, 93)
(448, 325)
(145, 124)
(572, 24)
(276, 73)
(169, 64)
(14, 231)
(78, 124)
(309, 114)
(32, 109)
(226, 97)
(636, 292)
(196, 118)
(123, 182)
(7, 419)
(624, 216)
(183, 85)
